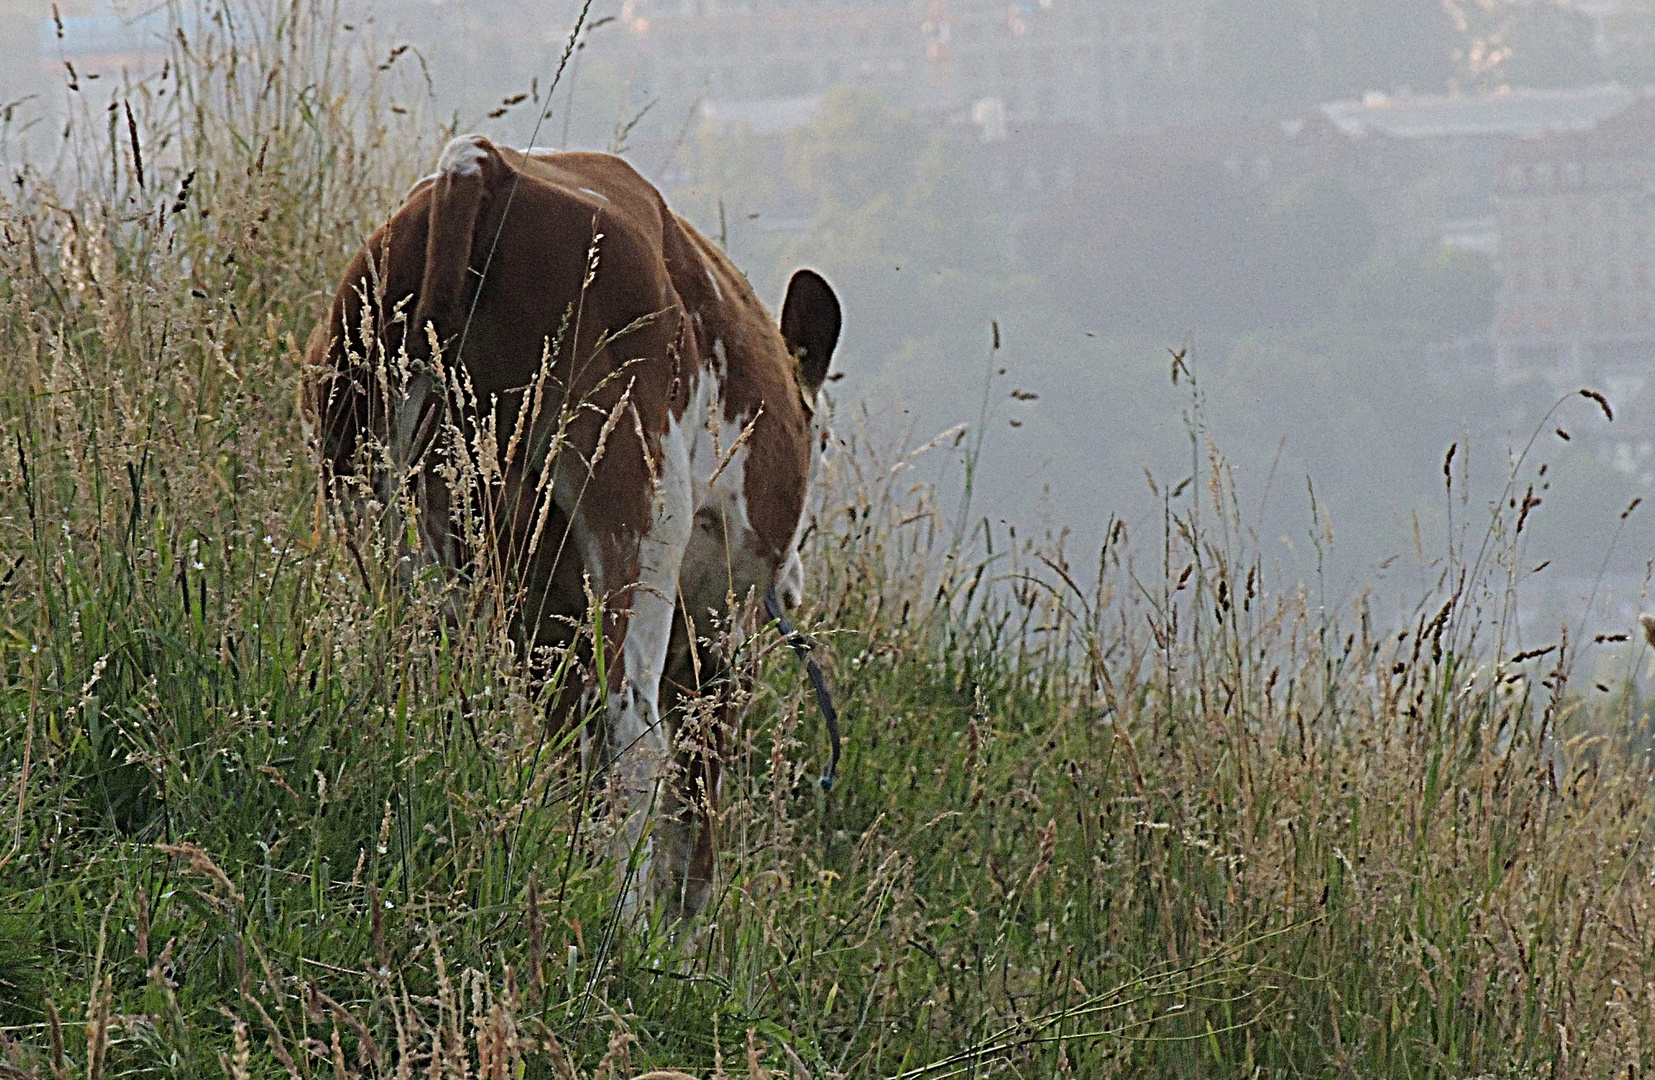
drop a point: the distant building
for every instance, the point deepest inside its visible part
(1623, 30)
(744, 50)
(1558, 187)
(1120, 65)
(1577, 255)
(1426, 165)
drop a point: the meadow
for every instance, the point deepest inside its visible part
(269, 809)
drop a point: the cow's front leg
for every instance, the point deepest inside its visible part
(640, 747)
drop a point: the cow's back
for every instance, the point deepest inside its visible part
(506, 260)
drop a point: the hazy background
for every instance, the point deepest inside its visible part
(1375, 228)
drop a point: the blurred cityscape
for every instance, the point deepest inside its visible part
(1449, 206)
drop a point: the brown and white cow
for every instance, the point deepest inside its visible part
(684, 422)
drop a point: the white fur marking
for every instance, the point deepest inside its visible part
(640, 750)
(723, 557)
(699, 550)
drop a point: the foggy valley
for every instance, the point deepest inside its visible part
(1374, 230)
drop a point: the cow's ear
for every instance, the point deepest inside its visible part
(810, 325)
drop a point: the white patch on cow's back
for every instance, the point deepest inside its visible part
(718, 292)
(595, 194)
(539, 151)
(416, 185)
(463, 156)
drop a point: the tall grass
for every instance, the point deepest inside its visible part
(267, 809)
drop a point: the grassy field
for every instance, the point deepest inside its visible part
(265, 810)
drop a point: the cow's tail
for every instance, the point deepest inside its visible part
(467, 170)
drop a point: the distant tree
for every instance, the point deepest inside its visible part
(1319, 232)
(1631, 34)
(855, 148)
(1261, 57)
(1384, 45)
(592, 106)
(1450, 294)
(1169, 244)
(888, 187)
(730, 178)
(1156, 247)
(1275, 58)
(1535, 43)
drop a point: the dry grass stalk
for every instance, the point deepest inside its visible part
(202, 864)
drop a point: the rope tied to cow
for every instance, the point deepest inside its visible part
(803, 647)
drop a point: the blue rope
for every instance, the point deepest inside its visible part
(802, 646)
